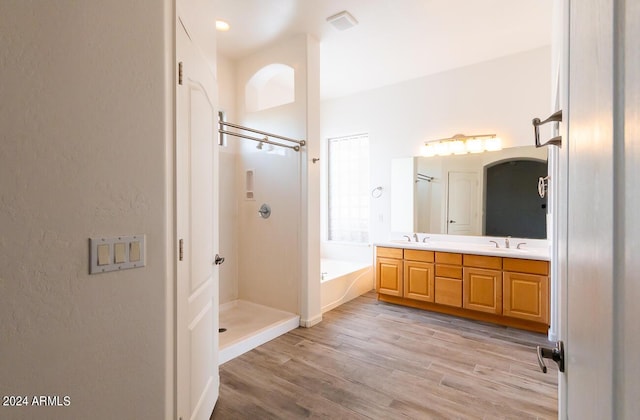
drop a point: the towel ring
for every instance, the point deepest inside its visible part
(543, 185)
(376, 192)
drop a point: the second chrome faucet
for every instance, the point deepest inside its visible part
(415, 237)
(507, 243)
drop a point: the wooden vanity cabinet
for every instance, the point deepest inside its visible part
(501, 290)
(389, 271)
(526, 289)
(448, 279)
(482, 283)
(419, 275)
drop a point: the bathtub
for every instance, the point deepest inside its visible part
(343, 281)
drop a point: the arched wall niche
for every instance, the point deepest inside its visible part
(271, 86)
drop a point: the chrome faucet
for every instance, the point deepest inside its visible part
(506, 242)
(415, 236)
(497, 246)
(520, 244)
(408, 237)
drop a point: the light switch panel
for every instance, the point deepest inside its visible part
(116, 253)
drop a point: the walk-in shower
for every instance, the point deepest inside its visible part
(260, 205)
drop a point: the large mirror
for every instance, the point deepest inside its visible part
(490, 194)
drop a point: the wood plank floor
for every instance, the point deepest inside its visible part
(373, 360)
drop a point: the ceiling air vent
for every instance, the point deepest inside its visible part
(342, 21)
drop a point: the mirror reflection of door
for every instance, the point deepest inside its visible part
(423, 199)
(462, 203)
(513, 206)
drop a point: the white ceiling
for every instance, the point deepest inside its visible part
(395, 40)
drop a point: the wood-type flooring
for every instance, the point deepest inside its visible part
(373, 360)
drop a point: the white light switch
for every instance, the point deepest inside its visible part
(134, 251)
(119, 252)
(103, 254)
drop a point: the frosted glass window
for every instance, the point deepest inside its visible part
(348, 189)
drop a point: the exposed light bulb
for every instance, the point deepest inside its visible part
(475, 145)
(428, 150)
(457, 147)
(493, 144)
(442, 148)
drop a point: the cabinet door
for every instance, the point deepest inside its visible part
(389, 276)
(418, 280)
(526, 296)
(448, 291)
(482, 290)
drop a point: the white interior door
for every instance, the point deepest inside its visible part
(601, 308)
(197, 281)
(462, 200)
(590, 242)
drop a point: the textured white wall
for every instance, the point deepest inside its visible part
(86, 147)
(310, 307)
(500, 96)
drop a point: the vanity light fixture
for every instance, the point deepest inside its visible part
(460, 144)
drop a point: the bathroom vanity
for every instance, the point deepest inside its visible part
(507, 286)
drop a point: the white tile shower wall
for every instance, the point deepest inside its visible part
(269, 249)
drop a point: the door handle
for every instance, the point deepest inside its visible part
(452, 221)
(557, 140)
(218, 260)
(556, 354)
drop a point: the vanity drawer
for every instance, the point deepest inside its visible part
(448, 258)
(418, 255)
(526, 266)
(450, 271)
(482, 261)
(389, 252)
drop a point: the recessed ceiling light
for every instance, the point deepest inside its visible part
(342, 21)
(222, 26)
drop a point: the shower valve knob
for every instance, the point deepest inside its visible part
(265, 211)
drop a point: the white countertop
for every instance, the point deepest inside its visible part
(531, 250)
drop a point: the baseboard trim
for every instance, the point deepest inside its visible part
(308, 323)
